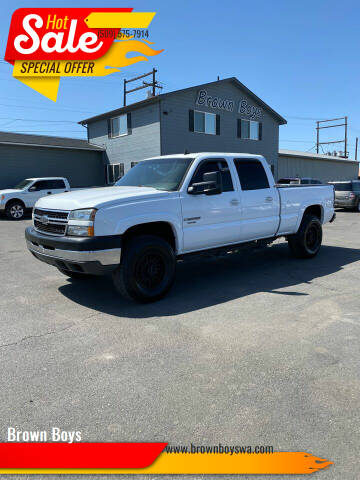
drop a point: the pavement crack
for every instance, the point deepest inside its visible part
(37, 336)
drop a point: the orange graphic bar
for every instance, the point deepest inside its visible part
(162, 463)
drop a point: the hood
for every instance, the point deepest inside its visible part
(97, 197)
(10, 190)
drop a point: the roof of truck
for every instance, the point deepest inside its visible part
(209, 154)
(46, 178)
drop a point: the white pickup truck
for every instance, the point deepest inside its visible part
(15, 201)
(165, 208)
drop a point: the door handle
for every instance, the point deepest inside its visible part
(269, 199)
(49, 193)
(234, 201)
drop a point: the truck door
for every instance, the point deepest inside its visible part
(39, 189)
(260, 205)
(211, 220)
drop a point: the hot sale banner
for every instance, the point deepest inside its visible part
(45, 44)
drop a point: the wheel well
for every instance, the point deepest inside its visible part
(14, 200)
(315, 210)
(160, 229)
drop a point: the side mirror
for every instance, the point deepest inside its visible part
(32, 189)
(211, 185)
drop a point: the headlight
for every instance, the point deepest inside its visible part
(80, 231)
(87, 214)
(81, 223)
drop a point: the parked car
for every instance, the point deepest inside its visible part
(15, 201)
(168, 207)
(299, 181)
(347, 194)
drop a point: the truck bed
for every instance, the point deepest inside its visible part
(294, 200)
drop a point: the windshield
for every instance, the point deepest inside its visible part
(23, 184)
(161, 173)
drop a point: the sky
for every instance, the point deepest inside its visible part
(301, 58)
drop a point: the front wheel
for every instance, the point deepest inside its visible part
(147, 269)
(15, 210)
(306, 242)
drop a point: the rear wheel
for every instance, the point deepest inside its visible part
(147, 269)
(15, 210)
(75, 275)
(306, 242)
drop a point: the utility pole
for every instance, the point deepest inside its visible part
(356, 147)
(317, 137)
(344, 140)
(154, 84)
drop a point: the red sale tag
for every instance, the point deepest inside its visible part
(57, 34)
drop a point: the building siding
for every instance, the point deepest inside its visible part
(142, 142)
(82, 168)
(324, 170)
(176, 137)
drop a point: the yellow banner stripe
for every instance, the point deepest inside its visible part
(119, 19)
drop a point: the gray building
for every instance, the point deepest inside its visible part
(217, 116)
(23, 156)
(322, 167)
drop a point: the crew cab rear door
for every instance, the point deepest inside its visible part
(211, 220)
(260, 204)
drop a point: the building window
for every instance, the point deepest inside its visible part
(204, 122)
(119, 126)
(114, 172)
(249, 129)
(133, 164)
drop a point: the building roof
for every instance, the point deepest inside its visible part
(157, 98)
(313, 156)
(10, 138)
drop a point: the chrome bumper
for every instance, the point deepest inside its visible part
(104, 257)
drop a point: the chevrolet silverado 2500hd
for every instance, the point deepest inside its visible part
(165, 208)
(15, 201)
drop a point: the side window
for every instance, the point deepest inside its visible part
(56, 184)
(215, 165)
(42, 185)
(251, 174)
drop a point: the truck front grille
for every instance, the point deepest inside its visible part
(51, 214)
(52, 222)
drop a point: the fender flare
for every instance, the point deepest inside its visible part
(133, 221)
(303, 209)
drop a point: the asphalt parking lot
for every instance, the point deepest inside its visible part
(257, 349)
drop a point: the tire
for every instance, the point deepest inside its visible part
(306, 242)
(147, 269)
(15, 210)
(75, 275)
